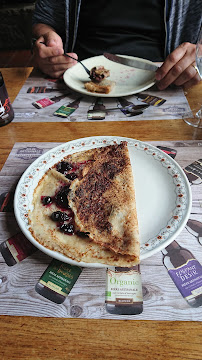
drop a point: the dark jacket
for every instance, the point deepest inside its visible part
(183, 19)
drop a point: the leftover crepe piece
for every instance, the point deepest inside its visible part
(98, 83)
(99, 73)
(103, 87)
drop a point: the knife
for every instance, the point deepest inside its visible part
(132, 62)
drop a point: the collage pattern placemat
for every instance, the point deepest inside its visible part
(162, 300)
(175, 105)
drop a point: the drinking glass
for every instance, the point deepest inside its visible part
(199, 54)
(194, 117)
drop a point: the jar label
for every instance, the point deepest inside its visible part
(5, 104)
(60, 277)
(96, 115)
(194, 170)
(20, 247)
(64, 111)
(188, 278)
(42, 103)
(123, 288)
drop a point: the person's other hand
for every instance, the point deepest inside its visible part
(178, 68)
(49, 55)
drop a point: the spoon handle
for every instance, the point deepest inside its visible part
(130, 108)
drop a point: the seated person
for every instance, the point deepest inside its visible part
(143, 28)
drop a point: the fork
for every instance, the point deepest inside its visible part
(85, 68)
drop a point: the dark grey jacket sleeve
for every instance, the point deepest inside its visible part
(184, 19)
(52, 13)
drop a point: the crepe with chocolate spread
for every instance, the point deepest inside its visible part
(84, 207)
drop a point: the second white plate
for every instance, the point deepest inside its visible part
(128, 80)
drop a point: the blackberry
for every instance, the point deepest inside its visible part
(82, 234)
(63, 167)
(46, 200)
(67, 229)
(61, 198)
(71, 176)
(60, 216)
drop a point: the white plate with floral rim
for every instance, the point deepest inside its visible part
(127, 80)
(163, 194)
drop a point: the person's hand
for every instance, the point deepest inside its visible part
(49, 55)
(178, 68)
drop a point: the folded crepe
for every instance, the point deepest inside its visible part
(100, 204)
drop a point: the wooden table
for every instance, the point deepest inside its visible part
(33, 338)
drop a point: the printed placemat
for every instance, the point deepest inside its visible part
(162, 300)
(46, 100)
